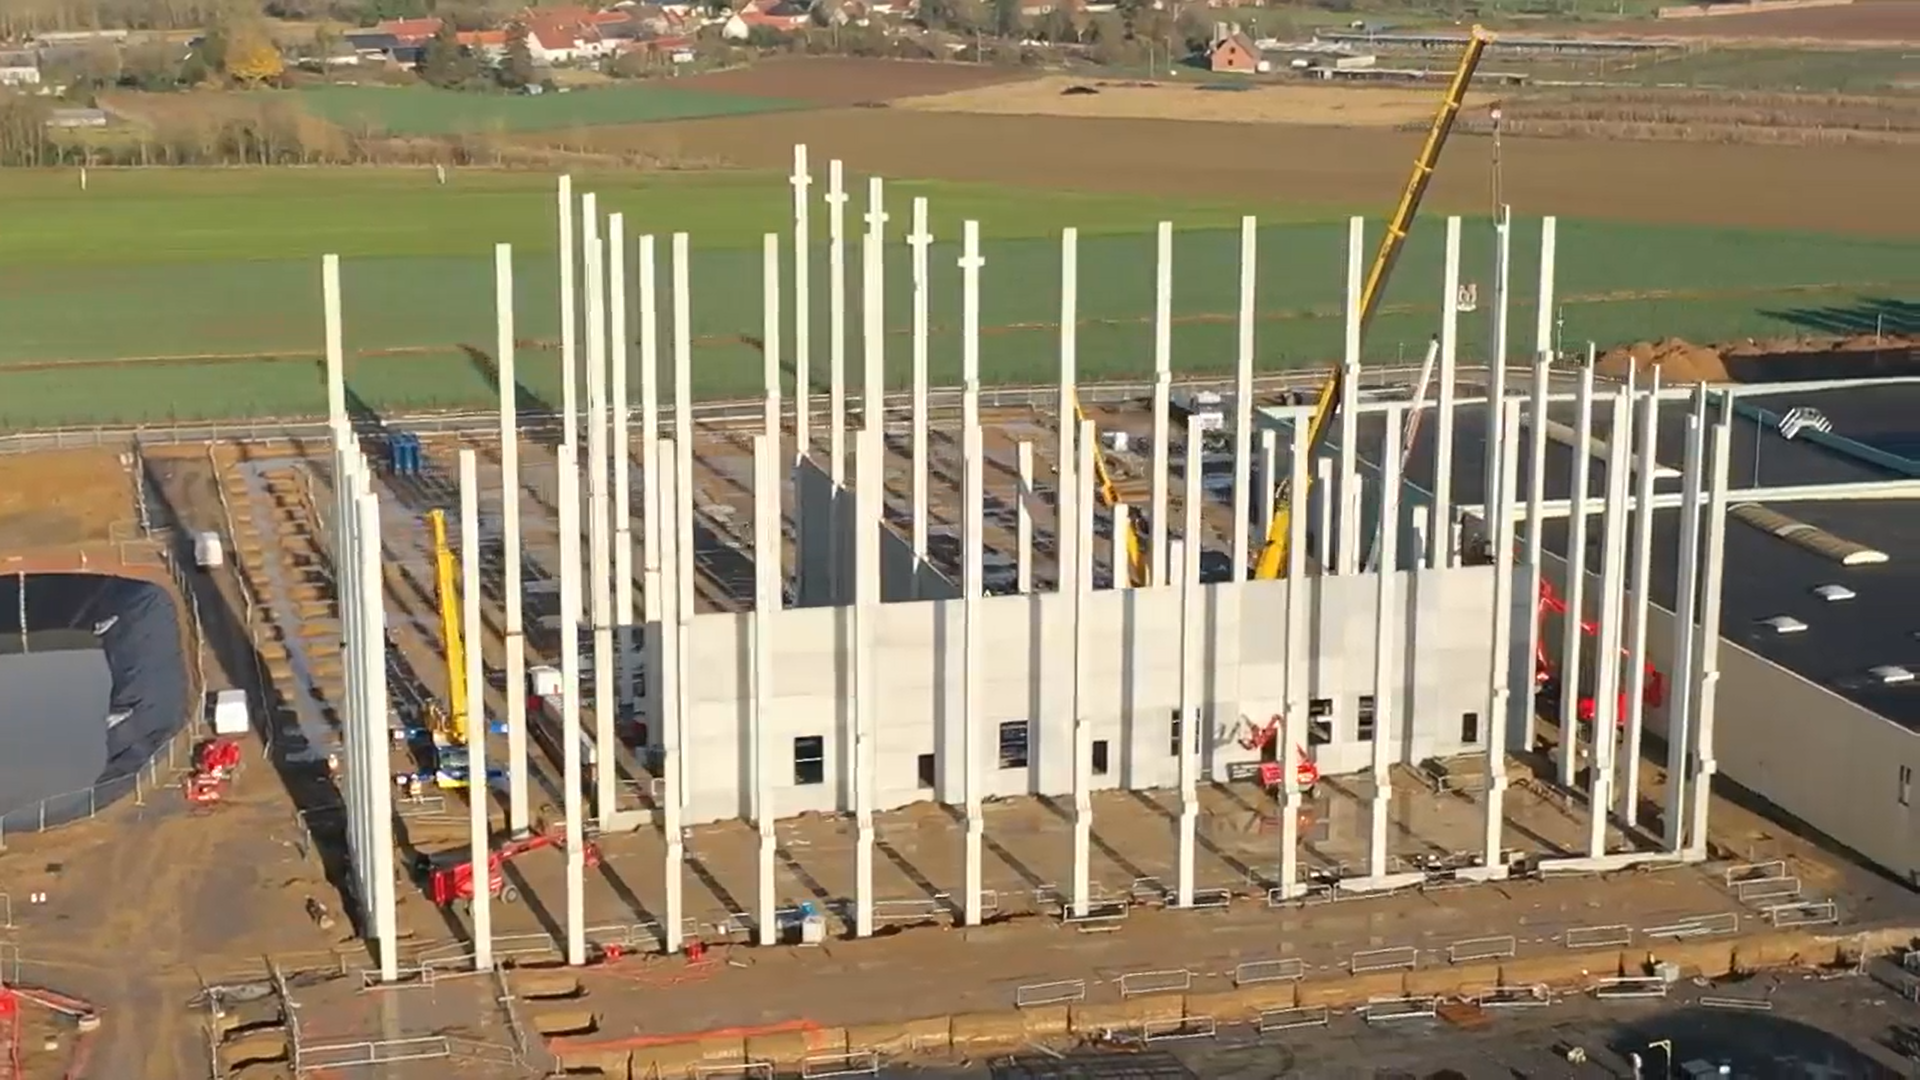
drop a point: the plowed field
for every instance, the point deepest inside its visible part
(847, 80)
(1871, 21)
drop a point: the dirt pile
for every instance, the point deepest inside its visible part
(1679, 361)
(1768, 360)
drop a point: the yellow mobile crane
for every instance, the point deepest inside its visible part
(1124, 531)
(450, 725)
(1272, 562)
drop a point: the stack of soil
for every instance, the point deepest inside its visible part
(1679, 361)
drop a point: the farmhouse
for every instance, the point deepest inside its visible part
(19, 69)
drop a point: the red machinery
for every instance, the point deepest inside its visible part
(9, 1035)
(1306, 774)
(449, 877)
(215, 762)
(1653, 695)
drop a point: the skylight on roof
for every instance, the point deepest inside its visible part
(1784, 624)
(1891, 674)
(1833, 593)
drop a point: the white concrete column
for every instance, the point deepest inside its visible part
(1069, 487)
(1023, 527)
(373, 631)
(650, 466)
(1157, 551)
(619, 334)
(836, 325)
(571, 765)
(1292, 733)
(970, 264)
(770, 346)
(1496, 441)
(1190, 710)
(1081, 577)
(664, 502)
(1576, 591)
(766, 611)
(1544, 311)
(336, 349)
(1265, 485)
(868, 492)
(873, 308)
(1441, 555)
(971, 769)
(479, 788)
(1522, 736)
(1119, 525)
(801, 180)
(1646, 462)
(1680, 721)
(514, 587)
(1243, 396)
(1713, 569)
(1500, 704)
(1347, 551)
(1389, 619)
(682, 427)
(599, 544)
(1323, 482)
(920, 240)
(569, 317)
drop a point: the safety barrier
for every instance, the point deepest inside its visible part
(1062, 992)
(1210, 899)
(1395, 958)
(1743, 1003)
(1179, 1027)
(1300, 1016)
(1513, 997)
(1102, 916)
(732, 1070)
(1633, 986)
(1757, 871)
(1803, 913)
(1777, 889)
(855, 1063)
(1253, 972)
(1384, 1010)
(1486, 948)
(372, 1052)
(1135, 983)
(908, 911)
(1693, 926)
(1597, 937)
(1148, 890)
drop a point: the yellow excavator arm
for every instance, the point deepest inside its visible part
(1273, 554)
(1124, 530)
(447, 586)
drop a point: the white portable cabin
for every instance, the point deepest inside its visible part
(207, 550)
(230, 713)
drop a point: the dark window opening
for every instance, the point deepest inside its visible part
(1906, 785)
(1320, 706)
(1470, 727)
(926, 772)
(1364, 723)
(810, 759)
(1173, 735)
(1319, 732)
(1013, 744)
(1099, 757)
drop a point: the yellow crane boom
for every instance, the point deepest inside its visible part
(1109, 498)
(1272, 561)
(454, 727)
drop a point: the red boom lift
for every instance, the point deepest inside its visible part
(1546, 675)
(1265, 739)
(449, 876)
(215, 762)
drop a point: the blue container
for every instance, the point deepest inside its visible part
(396, 453)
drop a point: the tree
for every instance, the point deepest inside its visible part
(252, 58)
(516, 67)
(1007, 21)
(446, 64)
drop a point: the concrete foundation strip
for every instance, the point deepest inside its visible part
(1291, 969)
(1630, 987)
(1383, 1010)
(1189, 1027)
(1135, 983)
(1747, 1004)
(1597, 937)
(1394, 958)
(1050, 993)
(1302, 1016)
(1720, 922)
(857, 1063)
(1486, 948)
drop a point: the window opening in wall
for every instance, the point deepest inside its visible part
(1099, 757)
(810, 759)
(1363, 726)
(1906, 785)
(1470, 727)
(1173, 735)
(926, 772)
(1319, 721)
(1320, 706)
(1013, 744)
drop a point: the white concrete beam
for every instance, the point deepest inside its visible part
(1081, 578)
(514, 586)
(920, 239)
(1243, 396)
(1712, 587)
(1389, 619)
(801, 180)
(1570, 631)
(571, 765)
(1642, 601)
(569, 317)
(479, 787)
(1680, 718)
(971, 770)
(1441, 556)
(836, 327)
(1162, 399)
(766, 605)
(873, 308)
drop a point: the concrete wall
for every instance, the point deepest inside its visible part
(906, 576)
(1440, 672)
(824, 521)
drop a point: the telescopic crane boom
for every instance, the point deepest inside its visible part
(452, 728)
(1272, 561)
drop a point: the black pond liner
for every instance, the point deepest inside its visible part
(91, 687)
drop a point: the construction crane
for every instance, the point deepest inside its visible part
(1125, 532)
(1272, 561)
(449, 725)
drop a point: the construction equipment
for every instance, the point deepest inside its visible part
(1127, 531)
(10, 1035)
(1265, 738)
(449, 725)
(215, 762)
(1547, 678)
(1273, 554)
(448, 876)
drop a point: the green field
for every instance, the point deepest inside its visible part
(200, 266)
(423, 110)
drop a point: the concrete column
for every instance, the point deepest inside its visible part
(380, 795)
(1348, 548)
(1522, 736)
(1606, 680)
(650, 466)
(1157, 551)
(1576, 590)
(1023, 528)
(1243, 396)
(1323, 482)
(866, 706)
(1680, 722)
(619, 334)
(479, 789)
(599, 543)
(336, 349)
(514, 587)
(569, 317)
(1714, 570)
(1081, 577)
(836, 326)
(1496, 440)
(1119, 525)
(1500, 706)
(920, 240)
(801, 180)
(664, 501)
(1265, 485)
(571, 764)
(971, 771)
(970, 264)
(1292, 733)
(770, 349)
(1441, 555)
(1543, 311)
(1646, 462)
(681, 513)
(766, 610)
(1389, 619)
(1190, 711)
(1069, 487)
(873, 308)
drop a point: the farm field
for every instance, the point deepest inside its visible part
(1865, 22)
(421, 110)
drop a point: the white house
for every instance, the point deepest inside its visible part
(19, 69)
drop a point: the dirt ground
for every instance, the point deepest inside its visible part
(62, 500)
(847, 80)
(1863, 189)
(1787, 360)
(1863, 23)
(1060, 95)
